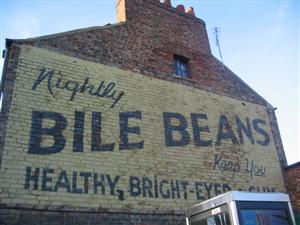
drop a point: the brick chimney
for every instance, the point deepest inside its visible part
(124, 9)
(170, 20)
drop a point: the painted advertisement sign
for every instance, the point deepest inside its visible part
(82, 134)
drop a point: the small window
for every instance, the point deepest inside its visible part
(181, 66)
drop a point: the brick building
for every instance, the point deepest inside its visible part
(293, 187)
(129, 123)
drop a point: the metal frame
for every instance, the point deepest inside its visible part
(230, 198)
(234, 214)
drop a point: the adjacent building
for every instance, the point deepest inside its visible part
(293, 187)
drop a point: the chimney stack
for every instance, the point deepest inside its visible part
(180, 8)
(125, 8)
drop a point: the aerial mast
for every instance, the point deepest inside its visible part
(217, 31)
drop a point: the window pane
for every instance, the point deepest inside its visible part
(180, 67)
(220, 219)
(264, 217)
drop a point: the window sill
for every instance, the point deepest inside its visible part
(183, 78)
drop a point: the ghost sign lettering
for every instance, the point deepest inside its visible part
(179, 130)
(225, 132)
(79, 182)
(246, 126)
(82, 134)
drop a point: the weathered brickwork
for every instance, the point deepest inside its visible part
(147, 42)
(96, 129)
(138, 142)
(8, 84)
(29, 217)
(293, 185)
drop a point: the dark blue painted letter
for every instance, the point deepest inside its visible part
(37, 131)
(125, 130)
(259, 130)
(181, 128)
(197, 130)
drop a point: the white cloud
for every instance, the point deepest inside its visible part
(280, 18)
(25, 26)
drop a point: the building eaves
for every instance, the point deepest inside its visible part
(225, 68)
(61, 34)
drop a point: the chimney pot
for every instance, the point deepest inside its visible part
(121, 10)
(167, 3)
(180, 8)
(190, 11)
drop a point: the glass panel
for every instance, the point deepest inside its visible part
(181, 68)
(264, 217)
(220, 219)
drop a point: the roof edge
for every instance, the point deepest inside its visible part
(244, 83)
(107, 26)
(8, 43)
(294, 165)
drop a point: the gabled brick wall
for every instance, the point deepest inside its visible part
(135, 55)
(146, 43)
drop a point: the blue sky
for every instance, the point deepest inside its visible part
(259, 42)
